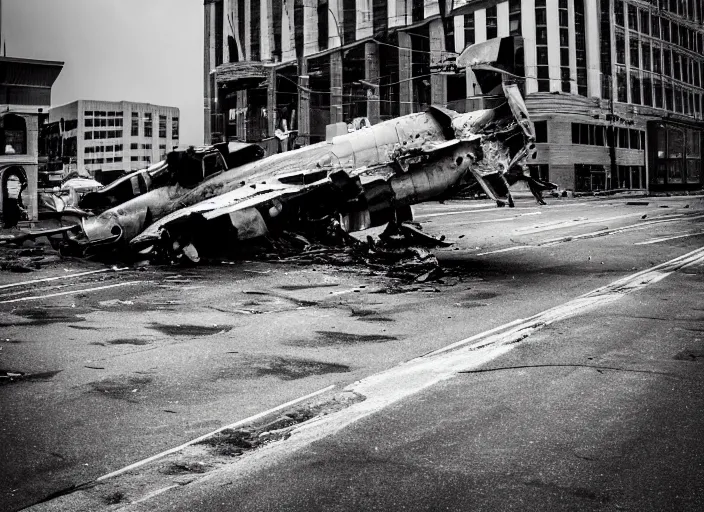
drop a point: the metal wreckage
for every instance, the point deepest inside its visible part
(199, 201)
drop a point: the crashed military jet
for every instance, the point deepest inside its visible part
(357, 180)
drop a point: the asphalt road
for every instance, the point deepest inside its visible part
(121, 365)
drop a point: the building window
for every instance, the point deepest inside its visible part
(620, 47)
(635, 87)
(89, 123)
(13, 135)
(618, 9)
(135, 124)
(541, 131)
(174, 128)
(635, 51)
(469, 29)
(491, 22)
(88, 113)
(589, 178)
(564, 46)
(118, 159)
(88, 135)
(540, 172)
(134, 159)
(514, 17)
(162, 127)
(581, 47)
(147, 124)
(541, 40)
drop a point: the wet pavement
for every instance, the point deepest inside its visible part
(112, 367)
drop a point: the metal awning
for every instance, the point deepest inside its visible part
(241, 75)
(28, 72)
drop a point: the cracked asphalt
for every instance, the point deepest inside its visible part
(598, 411)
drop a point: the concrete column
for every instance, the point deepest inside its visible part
(334, 23)
(310, 28)
(271, 102)
(303, 103)
(404, 74)
(336, 87)
(371, 74)
(241, 115)
(266, 30)
(529, 51)
(459, 33)
(591, 27)
(247, 42)
(438, 83)
(573, 48)
(480, 25)
(502, 19)
(553, 44)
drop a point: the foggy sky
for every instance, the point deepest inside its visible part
(133, 50)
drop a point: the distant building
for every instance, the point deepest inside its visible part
(25, 97)
(615, 87)
(109, 138)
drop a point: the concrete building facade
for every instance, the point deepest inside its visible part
(25, 98)
(616, 87)
(109, 138)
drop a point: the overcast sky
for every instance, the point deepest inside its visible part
(134, 50)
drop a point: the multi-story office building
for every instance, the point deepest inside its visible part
(25, 97)
(615, 87)
(108, 138)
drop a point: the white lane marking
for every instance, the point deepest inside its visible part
(69, 276)
(577, 222)
(236, 424)
(390, 386)
(665, 239)
(70, 292)
(430, 215)
(508, 249)
(602, 232)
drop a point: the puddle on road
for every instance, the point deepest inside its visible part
(14, 377)
(122, 387)
(369, 315)
(695, 356)
(308, 286)
(190, 330)
(129, 341)
(333, 338)
(480, 295)
(49, 315)
(292, 369)
(280, 367)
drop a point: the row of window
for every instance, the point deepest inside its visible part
(147, 127)
(103, 122)
(134, 145)
(597, 135)
(140, 159)
(103, 149)
(652, 91)
(649, 55)
(650, 24)
(103, 113)
(94, 161)
(103, 134)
